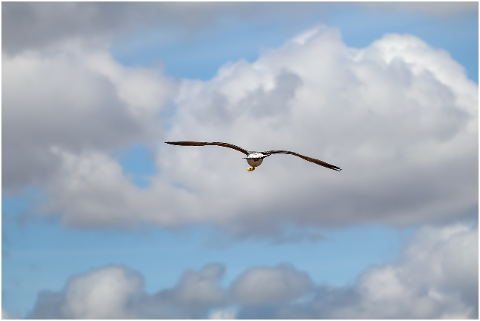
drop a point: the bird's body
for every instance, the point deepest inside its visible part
(253, 158)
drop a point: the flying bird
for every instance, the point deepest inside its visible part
(254, 159)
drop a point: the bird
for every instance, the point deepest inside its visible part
(253, 158)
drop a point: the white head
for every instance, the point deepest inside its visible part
(255, 159)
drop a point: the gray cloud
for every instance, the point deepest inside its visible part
(267, 285)
(439, 9)
(198, 289)
(36, 25)
(194, 296)
(76, 101)
(435, 277)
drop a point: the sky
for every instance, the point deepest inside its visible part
(101, 219)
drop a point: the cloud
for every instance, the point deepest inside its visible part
(102, 294)
(40, 25)
(439, 9)
(98, 294)
(222, 314)
(36, 26)
(399, 116)
(201, 288)
(118, 292)
(435, 277)
(194, 295)
(75, 99)
(264, 285)
(28, 26)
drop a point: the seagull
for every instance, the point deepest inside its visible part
(254, 159)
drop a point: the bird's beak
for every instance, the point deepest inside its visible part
(251, 169)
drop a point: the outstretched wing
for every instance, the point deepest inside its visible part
(310, 159)
(188, 143)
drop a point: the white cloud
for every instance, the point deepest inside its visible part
(435, 277)
(104, 293)
(398, 116)
(222, 314)
(118, 292)
(90, 190)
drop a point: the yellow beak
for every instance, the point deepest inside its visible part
(251, 169)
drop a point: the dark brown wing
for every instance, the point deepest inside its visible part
(188, 143)
(310, 159)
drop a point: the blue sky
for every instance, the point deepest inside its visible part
(235, 39)
(91, 193)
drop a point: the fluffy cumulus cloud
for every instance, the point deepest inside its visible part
(399, 116)
(102, 293)
(435, 277)
(118, 292)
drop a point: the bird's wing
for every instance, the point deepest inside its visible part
(188, 143)
(310, 159)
